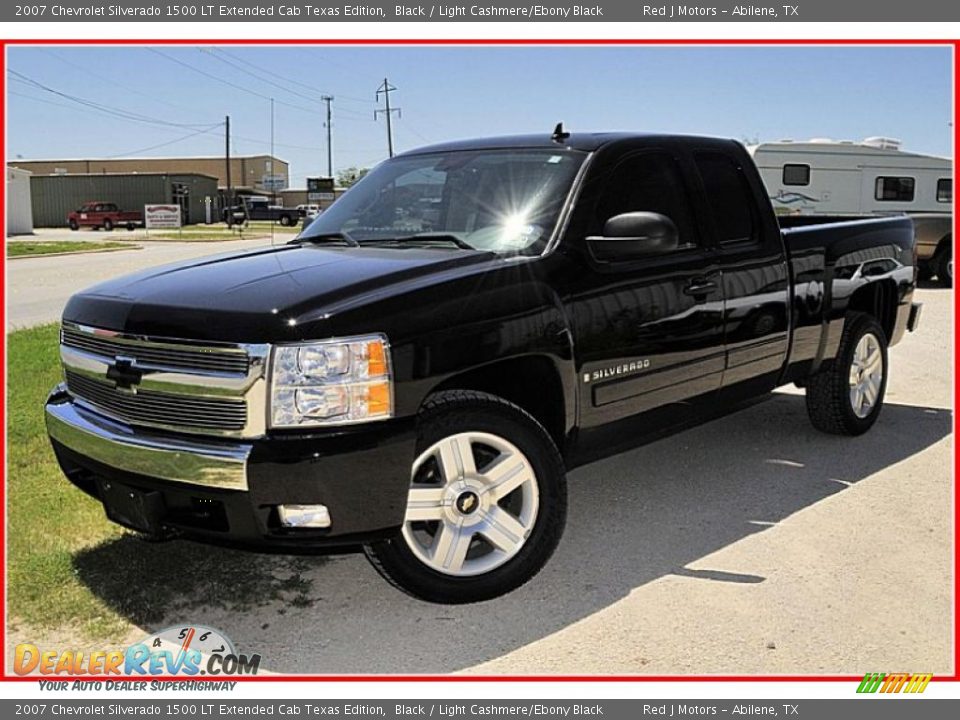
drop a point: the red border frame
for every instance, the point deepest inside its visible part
(955, 44)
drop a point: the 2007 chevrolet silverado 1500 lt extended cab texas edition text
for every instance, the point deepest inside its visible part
(415, 373)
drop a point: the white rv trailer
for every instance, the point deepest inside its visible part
(873, 177)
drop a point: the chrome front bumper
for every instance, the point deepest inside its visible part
(221, 465)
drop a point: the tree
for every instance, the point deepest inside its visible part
(346, 178)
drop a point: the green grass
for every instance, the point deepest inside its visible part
(17, 248)
(47, 520)
(70, 569)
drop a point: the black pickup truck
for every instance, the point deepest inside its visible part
(415, 373)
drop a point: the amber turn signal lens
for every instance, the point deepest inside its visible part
(377, 359)
(378, 399)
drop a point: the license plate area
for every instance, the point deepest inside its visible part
(133, 508)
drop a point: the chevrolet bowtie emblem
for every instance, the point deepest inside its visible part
(124, 374)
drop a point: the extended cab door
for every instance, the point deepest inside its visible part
(648, 331)
(753, 268)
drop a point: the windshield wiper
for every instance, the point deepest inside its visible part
(424, 237)
(342, 236)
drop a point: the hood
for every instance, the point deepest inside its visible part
(262, 295)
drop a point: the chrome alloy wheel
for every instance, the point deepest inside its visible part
(866, 375)
(472, 505)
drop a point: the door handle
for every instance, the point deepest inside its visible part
(700, 287)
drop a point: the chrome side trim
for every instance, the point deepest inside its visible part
(222, 466)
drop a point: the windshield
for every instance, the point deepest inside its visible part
(505, 201)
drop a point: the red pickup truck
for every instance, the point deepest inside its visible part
(104, 215)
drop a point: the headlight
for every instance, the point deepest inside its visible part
(332, 382)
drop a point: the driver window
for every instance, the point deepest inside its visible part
(650, 182)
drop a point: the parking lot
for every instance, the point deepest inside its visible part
(750, 545)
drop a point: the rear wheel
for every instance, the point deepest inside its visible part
(74, 225)
(486, 506)
(108, 225)
(846, 398)
(286, 220)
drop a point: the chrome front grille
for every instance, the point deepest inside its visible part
(157, 354)
(160, 408)
(180, 385)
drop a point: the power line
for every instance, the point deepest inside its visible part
(227, 82)
(128, 88)
(207, 131)
(215, 54)
(289, 81)
(164, 144)
(114, 112)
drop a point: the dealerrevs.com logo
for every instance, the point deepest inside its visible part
(190, 650)
(894, 682)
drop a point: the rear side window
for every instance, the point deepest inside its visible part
(895, 189)
(796, 174)
(728, 196)
(945, 190)
(650, 182)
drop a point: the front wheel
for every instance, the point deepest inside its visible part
(487, 502)
(286, 220)
(846, 398)
(108, 225)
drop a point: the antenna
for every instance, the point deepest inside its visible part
(559, 134)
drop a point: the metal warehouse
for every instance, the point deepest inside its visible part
(54, 196)
(257, 172)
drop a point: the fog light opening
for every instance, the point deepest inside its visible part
(304, 516)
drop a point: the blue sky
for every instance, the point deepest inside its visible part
(448, 92)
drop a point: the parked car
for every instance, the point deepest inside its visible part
(416, 378)
(309, 210)
(261, 209)
(106, 215)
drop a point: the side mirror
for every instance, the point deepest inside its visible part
(634, 235)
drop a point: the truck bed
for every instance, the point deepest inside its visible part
(831, 262)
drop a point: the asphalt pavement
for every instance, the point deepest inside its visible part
(749, 545)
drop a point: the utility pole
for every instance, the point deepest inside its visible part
(229, 183)
(329, 99)
(386, 89)
(273, 195)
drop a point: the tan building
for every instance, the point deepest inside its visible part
(257, 172)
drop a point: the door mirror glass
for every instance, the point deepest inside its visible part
(634, 235)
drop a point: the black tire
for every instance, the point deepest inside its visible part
(453, 412)
(924, 271)
(74, 225)
(943, 267)
(131, 227)
(108, 225)
(286, 221)
(829, 403)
